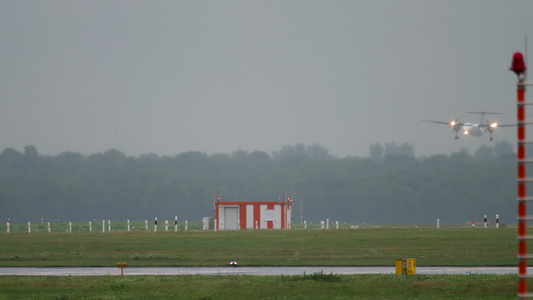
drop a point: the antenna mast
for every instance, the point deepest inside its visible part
(525, 57)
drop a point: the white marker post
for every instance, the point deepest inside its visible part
(146, 224)
(109, 225)
(29, 227)
(497, 221)
(155, 225)
(336, 224)
(485, 221)
(305, 224)
(438, 223)
(322, 225)
(90, 226)
(49, 228)
(327, 223)
(103, 226)
(176, 224)
(166, 225)
(69, 226)
(128, 221)
(186, 225)
(8, 227)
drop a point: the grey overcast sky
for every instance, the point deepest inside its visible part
(167, 77)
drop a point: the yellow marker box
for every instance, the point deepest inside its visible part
(405, 266)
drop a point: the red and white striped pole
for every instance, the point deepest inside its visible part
(519, 67)
(522, 223)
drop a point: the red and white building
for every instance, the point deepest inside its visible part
(253, 215)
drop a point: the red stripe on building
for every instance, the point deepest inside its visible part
(248, 202)
(242, 220)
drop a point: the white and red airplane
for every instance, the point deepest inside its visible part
(473, 129)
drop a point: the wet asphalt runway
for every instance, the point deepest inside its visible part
(251, 271)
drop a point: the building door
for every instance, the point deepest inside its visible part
(231, 218)
(270, 224)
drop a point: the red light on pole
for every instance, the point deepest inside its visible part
(518, 65)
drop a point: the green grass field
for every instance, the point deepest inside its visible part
(344, 247)
(312, 286)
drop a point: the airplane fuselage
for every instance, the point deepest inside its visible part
(473, 129)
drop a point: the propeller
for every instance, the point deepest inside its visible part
(456, 127)
(490, 128)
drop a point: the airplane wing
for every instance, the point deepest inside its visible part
(496, 125)
(447, 123)
(456, 126)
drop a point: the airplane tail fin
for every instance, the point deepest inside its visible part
(482, 113)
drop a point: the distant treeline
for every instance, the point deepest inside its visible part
(390, 186)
